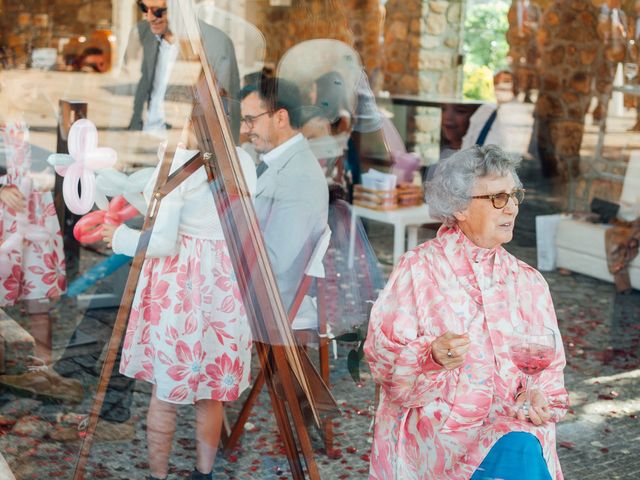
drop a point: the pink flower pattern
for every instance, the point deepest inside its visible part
(37, 269)
(184, 335)
(226, 375)
(433, 423)
(189, 368)
(227, 282)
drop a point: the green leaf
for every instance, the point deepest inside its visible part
(353, 365)
(348, 337)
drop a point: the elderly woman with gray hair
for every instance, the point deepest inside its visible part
(452, 402)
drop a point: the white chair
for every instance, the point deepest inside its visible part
(581, 246)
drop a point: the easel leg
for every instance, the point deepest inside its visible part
(287, 382)
(280, 412)
(243, 416)
(323, 350)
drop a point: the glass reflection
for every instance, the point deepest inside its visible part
(381, 105)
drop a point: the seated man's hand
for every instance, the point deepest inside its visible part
(107, 233)
(13, 198)
(450, 350)
(538, 412)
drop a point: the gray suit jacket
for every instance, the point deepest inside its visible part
(292, 204)
(221, 56)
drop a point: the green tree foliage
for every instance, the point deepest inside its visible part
(478, 83)
(485, 46)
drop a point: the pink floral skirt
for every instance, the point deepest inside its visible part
(188, 332)
(36, 268)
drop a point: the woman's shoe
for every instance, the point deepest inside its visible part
(196, 475)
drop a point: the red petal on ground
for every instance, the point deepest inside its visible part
(335, 454)
(605, 396)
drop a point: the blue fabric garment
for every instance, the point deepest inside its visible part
(516, 456)
(96, 273)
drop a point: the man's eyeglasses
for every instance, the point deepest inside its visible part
(500, 200)
(156, 12)
(249, 120)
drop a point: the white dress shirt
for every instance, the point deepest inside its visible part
(276, 152)
(167, 55)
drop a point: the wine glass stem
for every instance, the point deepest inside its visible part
(527, 394)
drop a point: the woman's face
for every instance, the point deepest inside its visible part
(483, 224)
(455, 122)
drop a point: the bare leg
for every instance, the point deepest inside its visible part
(40, 328)
(161, 425)
(208, 427)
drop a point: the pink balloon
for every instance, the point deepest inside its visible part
(101, 157)
(61, 169)
(76, 175)
(89, 228)
(83, 138)
(87, 157)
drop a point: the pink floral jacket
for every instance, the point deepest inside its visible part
(437, 424)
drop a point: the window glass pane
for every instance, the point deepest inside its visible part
(259, 238)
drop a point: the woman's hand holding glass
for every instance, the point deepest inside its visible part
(450, 350)
(538, 411)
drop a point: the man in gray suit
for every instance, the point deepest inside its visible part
(292, 197)
(159, 52)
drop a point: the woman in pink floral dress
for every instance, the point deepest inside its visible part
(188, 333)
(32, 263)
(452, 403)
(31, 251)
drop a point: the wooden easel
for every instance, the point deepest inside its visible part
(289, 374)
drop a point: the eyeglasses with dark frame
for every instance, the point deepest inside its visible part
(500, 200)
(249, 120)
(156, 12)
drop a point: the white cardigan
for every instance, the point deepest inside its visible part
(188, 210)
(477, 123)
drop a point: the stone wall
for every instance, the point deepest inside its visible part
(419, 54)
(421, 47)
(421, 57)
(356, 22)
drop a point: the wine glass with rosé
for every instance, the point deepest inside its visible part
(532, 350)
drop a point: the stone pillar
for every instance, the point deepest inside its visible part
(423, 40)
(524, 20)
(573, 68)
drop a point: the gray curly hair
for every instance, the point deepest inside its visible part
(450, 188)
